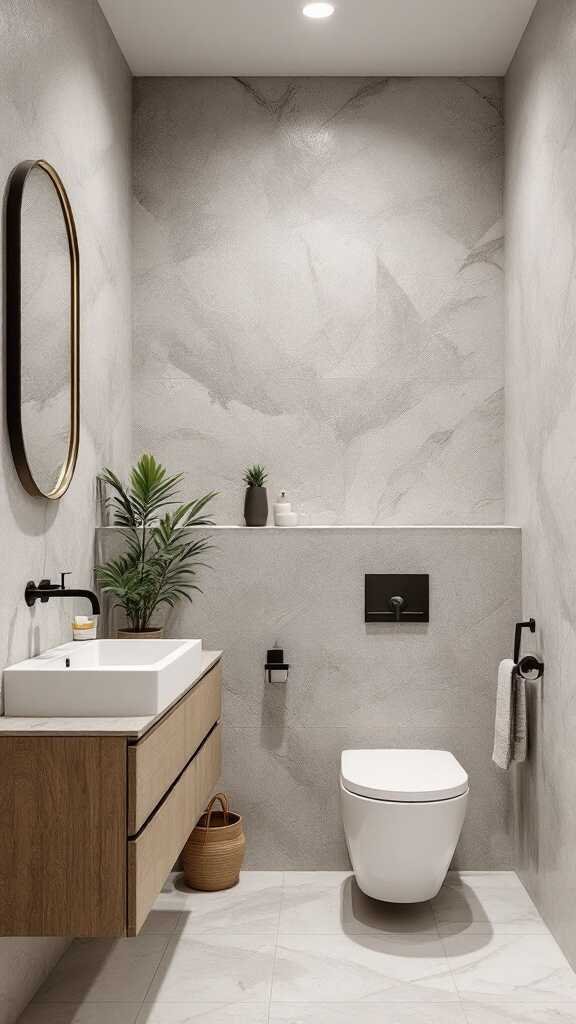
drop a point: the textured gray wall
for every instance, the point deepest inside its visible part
(65, 96)
(318, 286)
(541, 432)
(353, 684)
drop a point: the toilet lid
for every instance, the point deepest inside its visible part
(416, 776)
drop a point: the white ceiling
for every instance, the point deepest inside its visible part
(363, 37)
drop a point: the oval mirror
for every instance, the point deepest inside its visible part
(42, 323)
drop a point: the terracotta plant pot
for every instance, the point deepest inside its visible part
(154, 633)
(213, 855)
(256, 506)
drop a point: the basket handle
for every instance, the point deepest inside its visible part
(222, 798)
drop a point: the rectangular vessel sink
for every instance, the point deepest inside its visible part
(105, 678)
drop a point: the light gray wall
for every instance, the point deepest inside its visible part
(540, 436)
(318, 286)
(353, 684)
(65, 95)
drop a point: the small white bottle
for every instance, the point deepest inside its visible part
(281, 507)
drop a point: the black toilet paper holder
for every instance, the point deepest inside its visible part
(276, 669)
(529, 664)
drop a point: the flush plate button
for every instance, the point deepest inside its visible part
(400, 597)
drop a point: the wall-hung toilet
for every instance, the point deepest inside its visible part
(403, 812)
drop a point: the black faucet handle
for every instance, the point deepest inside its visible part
(42, 591)
(63, 576)
(47, 584)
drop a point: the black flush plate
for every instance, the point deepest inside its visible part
(413, 588)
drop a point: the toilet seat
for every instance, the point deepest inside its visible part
(408, 776)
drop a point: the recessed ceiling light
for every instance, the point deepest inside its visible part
(318, 10)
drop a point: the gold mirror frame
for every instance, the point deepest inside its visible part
(13, 264)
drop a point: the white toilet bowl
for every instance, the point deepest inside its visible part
(403, 812)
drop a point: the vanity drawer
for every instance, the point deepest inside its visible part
(152, 854)
(159, 757)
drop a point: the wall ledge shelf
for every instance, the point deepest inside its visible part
(488, 527)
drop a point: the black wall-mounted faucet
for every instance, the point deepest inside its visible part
(46, 590)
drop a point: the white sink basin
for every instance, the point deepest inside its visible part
(110, 678)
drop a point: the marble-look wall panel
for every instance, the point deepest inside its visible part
(65, 95)
(353, 684)
(318, 286)
(540, 438)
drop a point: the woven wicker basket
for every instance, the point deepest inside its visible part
(213, 855)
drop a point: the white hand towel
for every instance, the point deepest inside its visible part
(520, 720)
(510, 726)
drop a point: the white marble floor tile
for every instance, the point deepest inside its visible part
(252, 906)
(162, 922)
(491, 879)
(487, 901)
(520, 1013)
(203, 1013)
(101, 970)
(250, 881)
(324, 954)
(509, 968)
(340, 968)
(211, 968)
(326, 902)
(366, 1013)
(487, 928)
(84, 1013)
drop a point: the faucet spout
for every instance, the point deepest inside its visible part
(46, 590)
(88, 594)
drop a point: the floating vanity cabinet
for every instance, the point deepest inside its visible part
(94, 812)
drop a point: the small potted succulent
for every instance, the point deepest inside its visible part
(161, 557)
(256, 500)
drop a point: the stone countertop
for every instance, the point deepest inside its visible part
(133, 728)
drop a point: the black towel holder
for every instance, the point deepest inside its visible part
(529, 667)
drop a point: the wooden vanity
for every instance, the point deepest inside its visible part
(94, 812)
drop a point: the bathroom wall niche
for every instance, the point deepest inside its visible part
(42, 325)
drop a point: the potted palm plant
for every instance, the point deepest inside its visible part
(159, 565)
(256, 499)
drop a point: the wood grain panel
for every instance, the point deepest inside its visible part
(159, 757)
(62, 835)
(152, 853)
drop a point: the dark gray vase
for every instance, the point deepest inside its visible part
(256, 506)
